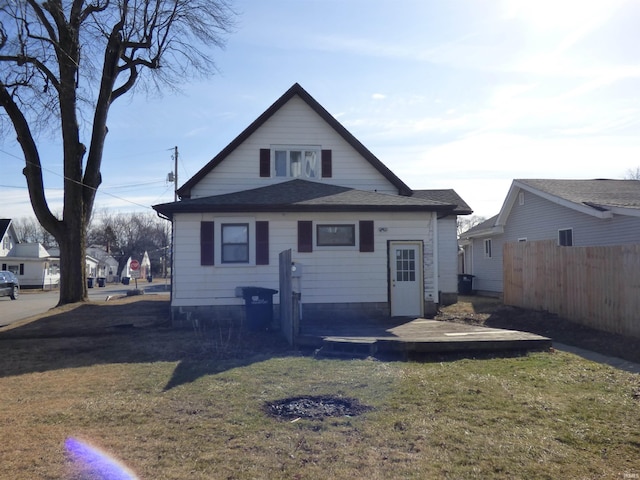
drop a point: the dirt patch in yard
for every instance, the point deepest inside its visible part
(490, 312)
(315, 407)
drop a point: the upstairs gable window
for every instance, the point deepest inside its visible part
(297, 162)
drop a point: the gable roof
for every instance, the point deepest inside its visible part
(600, 198)
(446, 196)
(185, 190)
(304, 196)
(486, 228)
(4, 226)
(600, 193)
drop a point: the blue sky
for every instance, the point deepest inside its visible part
(462, 94)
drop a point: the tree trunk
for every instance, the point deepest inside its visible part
(73, 284)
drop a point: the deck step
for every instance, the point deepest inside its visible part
(347, 347)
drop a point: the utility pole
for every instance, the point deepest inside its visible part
(175, 174)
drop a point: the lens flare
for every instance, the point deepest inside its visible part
(98, 462)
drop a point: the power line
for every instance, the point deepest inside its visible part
(95, 189)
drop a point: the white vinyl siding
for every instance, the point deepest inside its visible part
(447, 255)
(330, 275)
(294, 124)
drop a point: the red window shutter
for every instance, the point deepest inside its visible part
(262, 243)
(366, 236)
(206, 243)
(265, 162)
(327, 171)
(305, 236)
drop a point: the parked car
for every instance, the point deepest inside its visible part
(9, 285)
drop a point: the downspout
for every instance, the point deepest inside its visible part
(436, 259)
(171, 219)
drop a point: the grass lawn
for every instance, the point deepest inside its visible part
(190, 405)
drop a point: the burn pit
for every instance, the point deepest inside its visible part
(315, 407)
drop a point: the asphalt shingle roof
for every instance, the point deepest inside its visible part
(445, 196)
(4, 225)
(303, 195)
(593, 193)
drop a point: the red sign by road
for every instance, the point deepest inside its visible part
(134, 265)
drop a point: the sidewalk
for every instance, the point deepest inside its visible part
(615, 362)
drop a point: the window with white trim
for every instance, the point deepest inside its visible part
(297, 162)
(235, 243)
(565, 237)
(487, 248)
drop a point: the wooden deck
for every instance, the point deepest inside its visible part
(418, 337)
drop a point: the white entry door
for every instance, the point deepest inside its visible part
(405, 269)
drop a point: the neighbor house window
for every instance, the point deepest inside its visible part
(487, 248)
(297, 162)
(565, 237)
(336, 235)
(235, 243)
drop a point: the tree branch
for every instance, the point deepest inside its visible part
(33, 168)
(91, 9)
(43, 20)
(41, 67)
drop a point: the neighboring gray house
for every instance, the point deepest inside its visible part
(573, 212)
(363, 242)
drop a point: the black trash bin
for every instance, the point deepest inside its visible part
(258, 304)
(101, 281)
(465, 284)
(125, 280)
(90, 282)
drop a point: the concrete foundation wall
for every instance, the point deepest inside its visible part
(312, 313)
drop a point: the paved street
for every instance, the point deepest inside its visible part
(34, 302)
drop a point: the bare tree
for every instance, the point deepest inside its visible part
(632, 174)
(465, 223)
(29, 230)
(130, 235)
(68, 61)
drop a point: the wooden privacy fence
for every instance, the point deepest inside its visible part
(594, 286)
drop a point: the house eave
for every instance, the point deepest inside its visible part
(170, 210)
(603, 212)
(488, 232)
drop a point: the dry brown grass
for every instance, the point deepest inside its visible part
(171, 408)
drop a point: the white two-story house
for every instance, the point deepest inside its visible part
(363, 242)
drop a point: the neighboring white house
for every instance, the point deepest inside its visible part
(34, 266)
(103, 265)
(144, 268)
(8, 237)
(572, 212)
(364, 243)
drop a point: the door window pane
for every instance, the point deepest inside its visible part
(405, 265)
